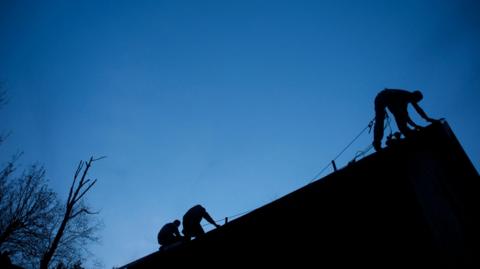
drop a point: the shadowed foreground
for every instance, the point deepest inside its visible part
(412, 204)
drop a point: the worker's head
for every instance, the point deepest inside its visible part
(176, 222)
(417, 96)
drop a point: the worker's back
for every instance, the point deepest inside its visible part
(193, 215)
(393, 98)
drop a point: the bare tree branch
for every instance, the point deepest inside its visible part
(26, 205)
(73, 210)
(85, 191)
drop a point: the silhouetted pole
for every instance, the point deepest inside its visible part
(334, 166)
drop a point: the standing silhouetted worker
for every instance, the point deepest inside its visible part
(192, 219)
(397, 102)
(169, 234)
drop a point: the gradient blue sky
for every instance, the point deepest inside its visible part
(230, 104)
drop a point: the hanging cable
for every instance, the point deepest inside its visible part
(229, 217)
(361, 153)
(358, 154)
(369, 126)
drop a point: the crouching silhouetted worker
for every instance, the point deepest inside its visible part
(397, 103)
(192, 219)
(169, 234)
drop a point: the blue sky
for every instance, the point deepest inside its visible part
(230, 104)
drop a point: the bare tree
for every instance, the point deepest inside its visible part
(27, 205)
(34, 225)
(73, 225)
(30, 217)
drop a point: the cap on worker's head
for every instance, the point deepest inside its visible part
(176, 222)
(417, 96)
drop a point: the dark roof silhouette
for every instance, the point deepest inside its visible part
(412, 204)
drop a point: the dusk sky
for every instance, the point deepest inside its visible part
(228, 104)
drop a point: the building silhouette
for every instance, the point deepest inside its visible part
(413, 204)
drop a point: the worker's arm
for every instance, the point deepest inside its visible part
(422, 113)
(209, 219)
(411, 122)
(177, 233)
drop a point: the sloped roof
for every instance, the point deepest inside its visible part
(414, 203)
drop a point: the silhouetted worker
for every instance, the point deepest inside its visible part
(397, 102)
(169, 234)
(192, 219)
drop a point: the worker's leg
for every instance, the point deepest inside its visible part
(401, 121)
(378, 128)
(167, 240)
(197, 230)
(187, 232)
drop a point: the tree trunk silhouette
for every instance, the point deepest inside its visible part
(77, 190)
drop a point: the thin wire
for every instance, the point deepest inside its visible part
(240, 214)
(229, 217)
(321, 171)
(361, 153)
(369, 126)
